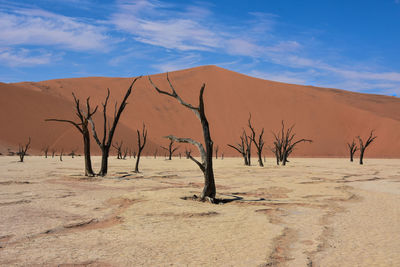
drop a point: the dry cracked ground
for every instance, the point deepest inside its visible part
(313, 212)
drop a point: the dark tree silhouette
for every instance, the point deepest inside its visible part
(216, 152)
(155, 153)
(284, 144)
(106, 141)
(45, 149)
(84, 117)
(206, 164)
(22, 149)
(53, 152)
(125, 153)
(244, 148)
(61, 154)
(188, 152)
(141, 139)
(118, 147)
(258, 142)
(72, 154)
(363, 145)
(352, 149)
(171, 149)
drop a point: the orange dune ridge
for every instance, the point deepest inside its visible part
(329, 117)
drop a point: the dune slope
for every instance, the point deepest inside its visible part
(329, 117)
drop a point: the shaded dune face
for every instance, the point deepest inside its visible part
(329, 117)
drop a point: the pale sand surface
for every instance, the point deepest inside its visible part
(313, 212)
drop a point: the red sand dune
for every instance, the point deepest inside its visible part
(329, 117)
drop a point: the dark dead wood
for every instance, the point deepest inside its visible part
(108, 131)
(141, 139)
(23, 149)
(364, 146)
(206, 166)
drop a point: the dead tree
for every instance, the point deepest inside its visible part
(155, 153)
(247, 142)
(171, 149)
(188, 152)
(106, 141)
(84, 117)
(141, 139)
(72, 154)
(53, 152)
(23, 149)
(125, 153)
(61, 154)
(258, 142)
(352, 149)
(216, 152)
(45, 149)
(222, 156)
(284, 144)
(118, 147)
(363, 145)
(244, 148)
(206, 164)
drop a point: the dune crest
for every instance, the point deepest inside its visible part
(329, 117)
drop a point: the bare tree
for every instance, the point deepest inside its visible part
(23, 149)
(72, 154)
(45, 149)
(188, 152)
(118, 147)
(125, 153)
(171, 149)
(141, 139)
(84, 117)
(284, 144)
(155, 153)
(244, 148)
(363, 145)
(61, 154)
(53, 152)
(258, 142)
(222, 156)
(106, 141)
(216, 152)
(206, 164)
(352, 149)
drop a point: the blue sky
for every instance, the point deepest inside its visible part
(352, 45)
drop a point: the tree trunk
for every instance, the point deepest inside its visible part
(260, 162)
(209, 189)
(351, 156)
(137, 162)
(361, 156)
(86, 152)
(104, 161)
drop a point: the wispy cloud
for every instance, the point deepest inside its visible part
(43, 28)
(177, 63)
(23, 57)
(153, 22)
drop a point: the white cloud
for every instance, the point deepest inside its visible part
(42, 28)
(172, 64)
(23, 57)
(152, 23)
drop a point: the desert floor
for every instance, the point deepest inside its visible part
(313, 212)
